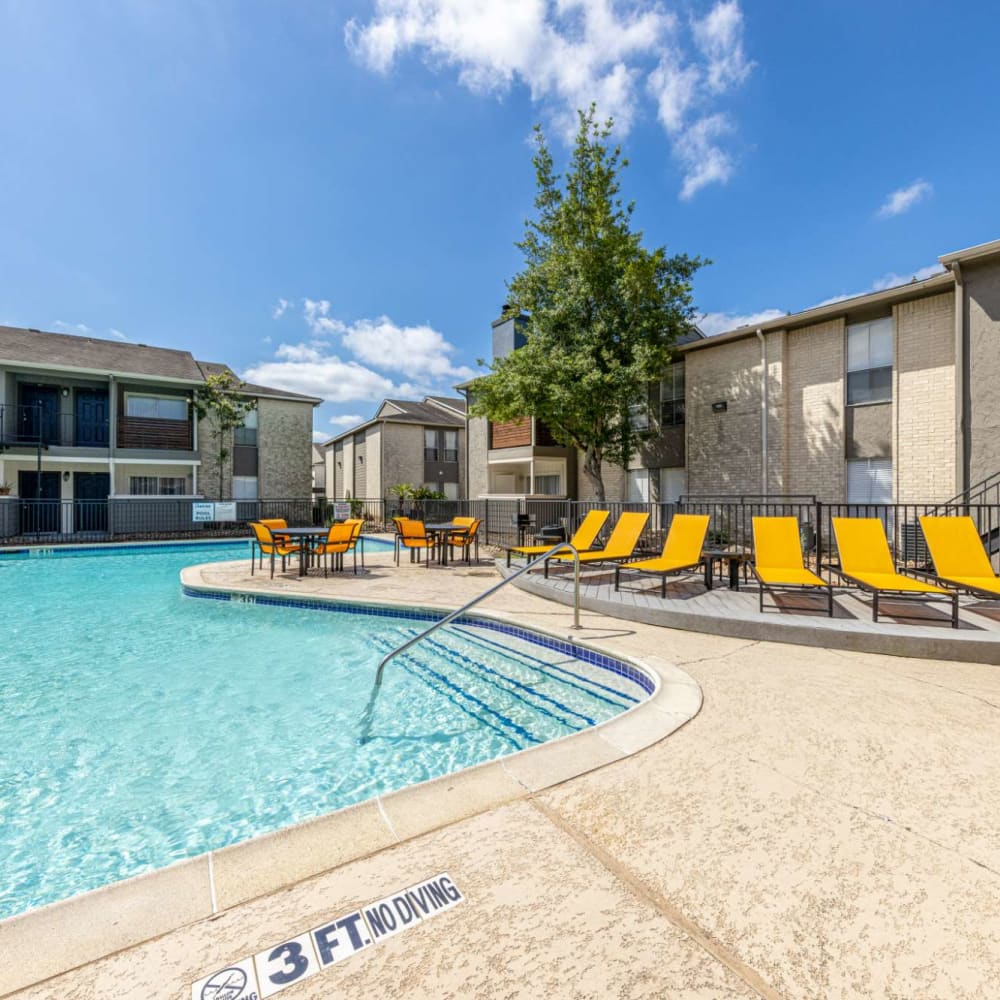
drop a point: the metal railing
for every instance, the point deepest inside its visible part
(369, 712)
(31, 425)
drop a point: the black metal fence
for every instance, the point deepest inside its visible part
(505, 521)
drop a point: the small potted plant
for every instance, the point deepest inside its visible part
(5, 488)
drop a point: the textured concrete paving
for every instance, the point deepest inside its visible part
(828, 826)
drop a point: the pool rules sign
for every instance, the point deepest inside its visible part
(271, 970)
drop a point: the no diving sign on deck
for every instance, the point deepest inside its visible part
(271, 970)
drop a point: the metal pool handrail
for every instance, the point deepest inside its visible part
(376, 687)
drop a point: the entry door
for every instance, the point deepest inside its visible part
(90, 501)
(91, 419)
(39, 418)
(39, 502)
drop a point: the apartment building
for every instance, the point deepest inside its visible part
(407, 441)
(83, 419)
(520, 458)
(892, 396)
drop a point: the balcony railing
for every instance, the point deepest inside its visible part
(33, 425)
(150, 432)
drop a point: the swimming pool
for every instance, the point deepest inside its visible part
(142, 726)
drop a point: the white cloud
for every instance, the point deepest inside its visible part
(569, 53)
(713, 323)
(319, 437)
(79, 329)
(346, 419)
(904, 199)
(889, 280)
(346, 362)
(280, 308)
(719, 37)
(82, 330)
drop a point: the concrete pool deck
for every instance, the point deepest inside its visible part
(827, 826)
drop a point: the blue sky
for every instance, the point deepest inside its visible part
(325, 195)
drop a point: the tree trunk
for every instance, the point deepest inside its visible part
(592, 470)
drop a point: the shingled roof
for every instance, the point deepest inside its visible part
(214, 368)
(61, 350)
(39, 349)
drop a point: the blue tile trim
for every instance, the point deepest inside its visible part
(602, 660)
(56, 551)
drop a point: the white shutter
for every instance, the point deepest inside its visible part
(673, 484)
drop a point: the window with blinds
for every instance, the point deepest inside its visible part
(869, 362)
(869, 480)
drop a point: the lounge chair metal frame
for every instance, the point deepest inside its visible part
(879, 548)
(685, 522)
(581, 557)
(918, 597)
(781, 587)
(953, 581)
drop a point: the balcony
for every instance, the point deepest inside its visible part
(41, 424)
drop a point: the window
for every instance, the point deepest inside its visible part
(869, 362)
(247, 434)
(244, 487)
(548, 486)
(638, 417)
(673, 484)
(157, 486)
(638, 485)
(430, 445)
(143, 486)
(451, 446)
(869, 480)
(156, 407)
(450, 490)
(672, 396)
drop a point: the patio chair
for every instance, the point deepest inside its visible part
(413, 536)
(357, 523)
(270, 545)
(621, 544)
(466, 539)
(337, 542)
(778, 561)
(681, 551)
(583, 538)
(960, 558)
(865, 561)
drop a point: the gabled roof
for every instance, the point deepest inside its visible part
(214, 368)
(433, 411)
(67, 351)
(830, 310)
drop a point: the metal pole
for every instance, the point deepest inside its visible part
(366, 718)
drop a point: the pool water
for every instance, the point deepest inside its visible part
(142, 726)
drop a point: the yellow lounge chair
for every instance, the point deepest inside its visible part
(620, 545)
(778, 562)
(681, 550)
(959, 556)
(866, 562)
(583, 538)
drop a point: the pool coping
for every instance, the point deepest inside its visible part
(69, 933)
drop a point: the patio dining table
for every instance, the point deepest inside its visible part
(305, 536)
(440, 532)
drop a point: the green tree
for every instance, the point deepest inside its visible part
(602, 311)
(222, 408)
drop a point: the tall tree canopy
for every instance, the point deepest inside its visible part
(602, 311)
